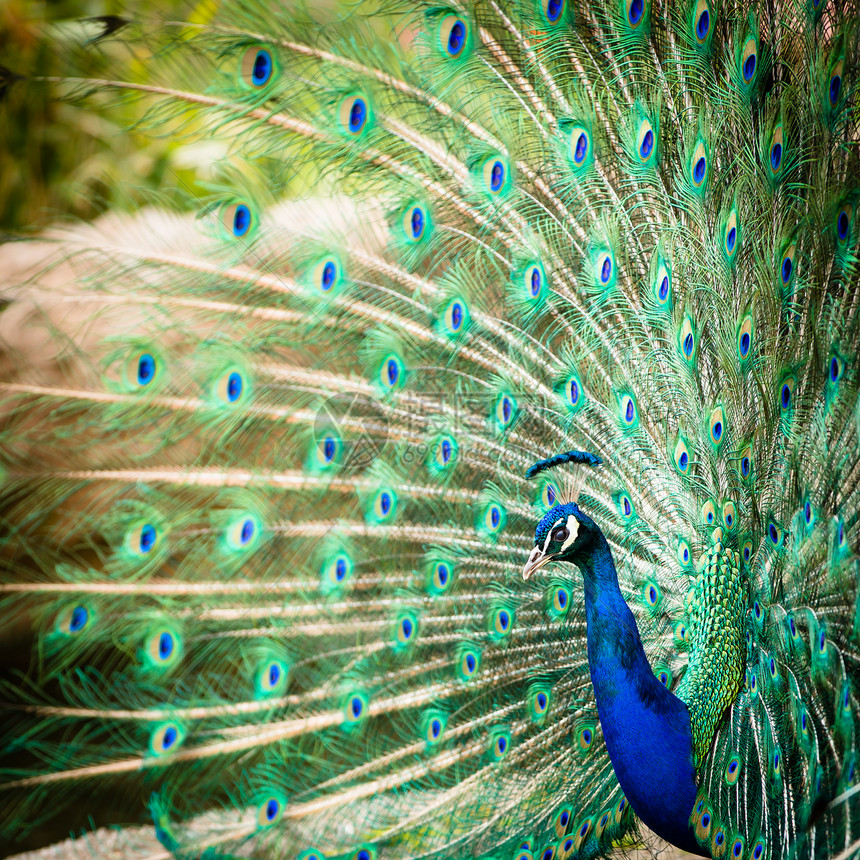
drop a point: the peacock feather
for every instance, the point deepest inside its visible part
(569, 284)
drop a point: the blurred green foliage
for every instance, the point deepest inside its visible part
(61, 157)
(78, 152)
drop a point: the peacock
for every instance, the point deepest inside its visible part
(470, 466)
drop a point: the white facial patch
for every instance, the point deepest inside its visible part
(572, 525)
(573, 528)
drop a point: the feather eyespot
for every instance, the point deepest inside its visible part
(505, 411)
(625, 506)
(326, 275)
(582, 833)
(538, 704)
(584, 739)
(807, 512)
(499, 745)
(745, 336)
(840, 533)
(605, 269)
(645, 137)
(73, 620)
(703, 825)
(729, 515)
(733, 770)
(453, 36)
(493, 519)
(391, 373)
(844, 219)
(684, 554)
(230, 388)
(533, 282)
(628, 411)
(354, 114)
(468, 664)
(166, 738)
(758, 850)
(731, 236)
(786, 393)
(580, 146)
(681, 457)
(776, 153)
(269, 812)
(355, 710)
(835, 369)
(687, 340)
(651, 594)
(258, 67)
(271, 677)
(142, 539)
(699, 167)
(559, 601)
(834, 84)
(237, 219)
(495, 174)
(703, 22)
(749, 60)
(662, 287)
(456, 317)
(562, 821)
(737, 848)
(384, 506)
(635, 12)
(547, 496)
(242, 532)
(746, 462)
(336, 572)
(554, 9)
(775, 534)
(327, 451)
(146, 367)
(434, 727)
(709, 513)
(405, 630)
(415, 223)
(501, 623)
(601, 825)
(444, 453)
(441, 576)
(162, 648)
(573, 392)
(717, 426)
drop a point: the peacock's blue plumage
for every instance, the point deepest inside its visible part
(273, 456)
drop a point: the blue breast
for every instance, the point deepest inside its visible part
(646, 728)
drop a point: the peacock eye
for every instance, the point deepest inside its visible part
(560, 535)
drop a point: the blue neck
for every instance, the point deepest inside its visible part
(646, 728)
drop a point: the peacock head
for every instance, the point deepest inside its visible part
(564, 533)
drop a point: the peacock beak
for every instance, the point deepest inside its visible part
(536, 561)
